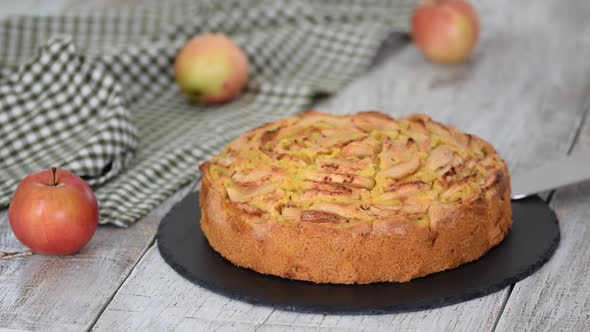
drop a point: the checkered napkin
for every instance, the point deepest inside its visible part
(94, 92)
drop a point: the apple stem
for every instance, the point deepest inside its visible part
(53, 179)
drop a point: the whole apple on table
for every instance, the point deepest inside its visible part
(211, 69)
(446, 31)
(53, 211)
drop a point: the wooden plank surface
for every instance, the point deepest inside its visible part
(557, 298)
(523, 92)
(68, 293)
(156, 298)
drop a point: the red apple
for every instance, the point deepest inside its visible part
(446, 31)
(211, 69)
(53, 212)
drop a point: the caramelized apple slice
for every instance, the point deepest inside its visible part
(268, 141)
(252, 178)
(317, 214)
(370, 121)
(456, 192)
(291, 213)
(403, 169)
(313, 118)
(421, 135)
(225, 161)
(343, 210)
(320, 217)
(491, 180)
(419, 118)
(340, 178)
(244, 194)
(333, 137)
(381, 211)
(440, 157)
(342, 165)
(448, 133)
(396, 152)
(296, 161)
(315, 189)
(415, 206)
(403, 190)
(361, 149)
(249, 209)
(439, 130)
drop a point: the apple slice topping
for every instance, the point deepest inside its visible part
(249, 209)
(248, 192)
(360, 149)
(415, 206)
(290, 213)
(459, 192)
(362, 167)
(491, 180)
(393, 153)
(440, 157)
(369, 121)
(313, 215)
(351, 180)
(336, 137)
(252, 178)
(331, 212)
(315, 189)
(342, 165)
(225, 161)
(404, 190)
(320, 217)
(403, 169)
(381, 211)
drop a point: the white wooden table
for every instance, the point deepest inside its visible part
(527, 90)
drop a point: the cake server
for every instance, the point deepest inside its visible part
(554, 174)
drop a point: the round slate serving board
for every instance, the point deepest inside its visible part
(531, 242)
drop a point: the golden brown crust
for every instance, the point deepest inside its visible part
(344, 224)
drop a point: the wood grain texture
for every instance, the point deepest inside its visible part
(557, 298)
(522, 92)
(156, 298)
(53, 293)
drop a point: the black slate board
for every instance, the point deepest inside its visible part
(531, 242)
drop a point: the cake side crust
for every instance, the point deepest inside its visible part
(386, 251)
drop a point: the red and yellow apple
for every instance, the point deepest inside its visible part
(446, 31)
(53, 211)
(211, 69)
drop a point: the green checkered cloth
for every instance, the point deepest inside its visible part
(93, 92)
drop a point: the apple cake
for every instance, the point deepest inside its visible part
(357, 198)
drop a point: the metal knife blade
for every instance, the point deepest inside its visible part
(554, 174)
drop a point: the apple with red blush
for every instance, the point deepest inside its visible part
(445, 31)
(53, 212)
(211, 69)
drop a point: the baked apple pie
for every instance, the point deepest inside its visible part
(358, 198)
